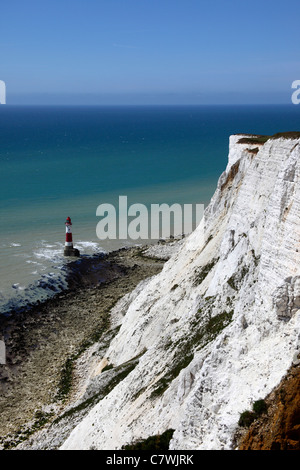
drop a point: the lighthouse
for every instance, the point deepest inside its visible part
(69, 249)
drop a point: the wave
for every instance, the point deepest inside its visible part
(26, 296)
(52, 272)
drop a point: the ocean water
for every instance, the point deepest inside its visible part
(65, 161)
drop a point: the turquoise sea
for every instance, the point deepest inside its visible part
(60, 161)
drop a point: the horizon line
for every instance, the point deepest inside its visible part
(148, 104)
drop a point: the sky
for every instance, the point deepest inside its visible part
(149, 51)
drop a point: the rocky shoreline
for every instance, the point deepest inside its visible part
(42, 340)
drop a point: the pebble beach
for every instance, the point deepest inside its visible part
(42, 341)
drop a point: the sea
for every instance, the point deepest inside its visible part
(65, 161)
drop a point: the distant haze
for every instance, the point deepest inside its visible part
(149, 52)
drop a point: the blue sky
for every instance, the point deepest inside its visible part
(149, 51)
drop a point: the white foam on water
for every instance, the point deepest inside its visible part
(30, 261)
(89, 247)
(53, 255)
(47, 278)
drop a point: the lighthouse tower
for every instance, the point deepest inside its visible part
(69, 249)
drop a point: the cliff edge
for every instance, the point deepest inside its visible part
(218, 328)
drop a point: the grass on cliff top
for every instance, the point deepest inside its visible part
(262, 139)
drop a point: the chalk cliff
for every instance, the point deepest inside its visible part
(218, 328)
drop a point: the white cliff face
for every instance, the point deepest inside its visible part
(219, 327)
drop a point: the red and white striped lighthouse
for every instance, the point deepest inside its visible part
(69, 250)
(69, 241)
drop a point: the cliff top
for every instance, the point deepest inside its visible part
(262, 139)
